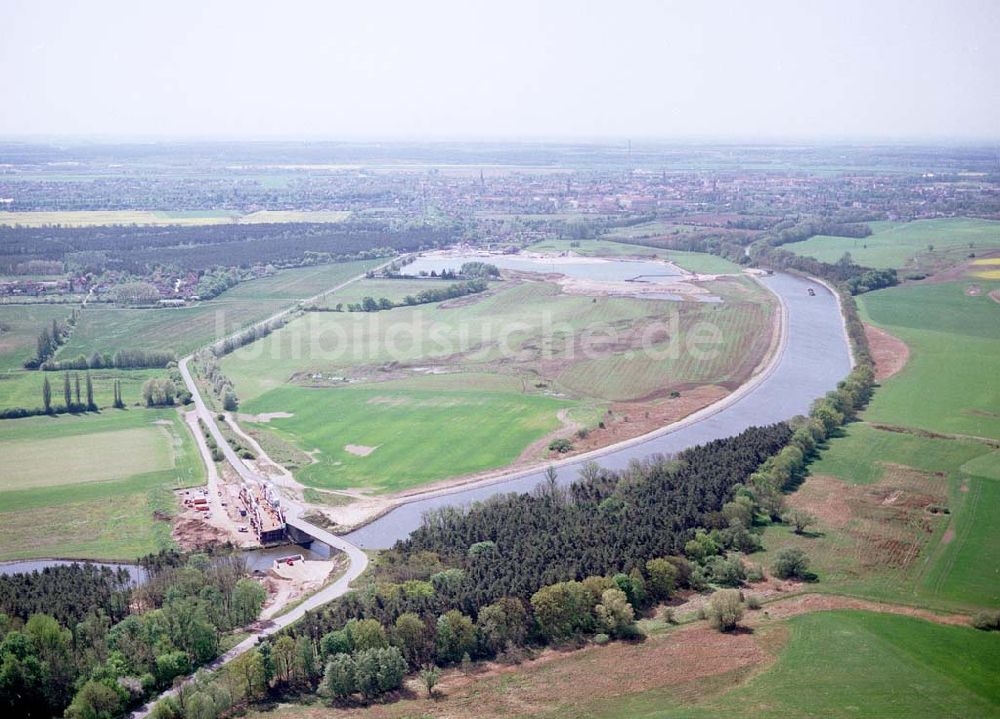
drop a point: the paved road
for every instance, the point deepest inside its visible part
(815, 356)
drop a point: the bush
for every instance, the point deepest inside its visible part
(753, 602)
(988, 621)
(561, 445)
(799, 520)
(601, 639)
(791, 563)
(725, 609)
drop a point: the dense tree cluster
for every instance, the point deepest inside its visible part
(855, 278)
(604, 523)
(134, 294)
(67, 592)
(479, 270)
(136, 250)
(80, 641)
(159, 392)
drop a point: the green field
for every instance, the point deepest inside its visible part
(88, 486)
(532, 321)
(873, 489)
(853, 664)
(949, 384)
(93, 218)
(508, 360)
(418, 436)
(20, 326)
(899, 244)
(24, 388)
(185, 329)
(700, 262)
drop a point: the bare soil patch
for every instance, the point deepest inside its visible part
(359, 450)
(193, 533)
(887, 523)
(805, 603)
(264, 417)
(824, 497)
(626, 420)
(287, 584)
(890, 353)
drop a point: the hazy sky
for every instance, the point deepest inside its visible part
(568, 68)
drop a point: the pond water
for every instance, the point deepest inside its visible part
(586, 268)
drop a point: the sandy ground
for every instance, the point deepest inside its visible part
(681, 286)
(286, 584)
(890, 353)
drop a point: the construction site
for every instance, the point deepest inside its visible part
(251, 511)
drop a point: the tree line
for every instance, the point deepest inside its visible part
(428, 296)
(125, 358)
(136, 250)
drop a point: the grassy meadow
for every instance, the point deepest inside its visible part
(878, 535)
(20, 326)
(393, 290)
(19, 329)
(905, 244)
(502, 364)
(88, 486)
(949, 384)
(414, 436)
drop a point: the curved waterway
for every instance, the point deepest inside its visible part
(814, 359)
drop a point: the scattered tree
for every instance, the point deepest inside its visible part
(725, 609)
